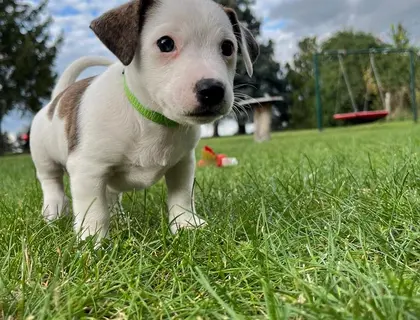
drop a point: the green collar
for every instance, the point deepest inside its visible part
(154, 116)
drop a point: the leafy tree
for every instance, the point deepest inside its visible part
(267, 74)
(299, 76)
(27, 54)
(400, 36)
(399, 68)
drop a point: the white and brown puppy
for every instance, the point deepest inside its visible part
(139, 121)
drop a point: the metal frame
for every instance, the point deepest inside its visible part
(340, 53)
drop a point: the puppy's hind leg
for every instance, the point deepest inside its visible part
(54, 199)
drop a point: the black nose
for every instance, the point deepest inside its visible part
(210, 92)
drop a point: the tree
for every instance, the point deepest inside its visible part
(299, 77)
(400, 36)
(267, 74)
(399, 87)
(27, 55)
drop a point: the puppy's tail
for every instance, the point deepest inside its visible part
(71, 73)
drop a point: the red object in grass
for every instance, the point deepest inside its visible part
(209, 150)
(219, 159)
(209, 157)
(361, 116)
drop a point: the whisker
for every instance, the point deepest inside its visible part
(234, 113)
(241, 85)
(241, 110)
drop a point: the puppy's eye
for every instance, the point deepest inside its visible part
(227, 48)
(166, 44)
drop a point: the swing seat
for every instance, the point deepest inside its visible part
(361, 116)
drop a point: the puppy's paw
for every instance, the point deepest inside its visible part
(49, 213)
(54, 209)
(190, 222)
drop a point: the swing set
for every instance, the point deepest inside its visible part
(362, 116)
(358, 116)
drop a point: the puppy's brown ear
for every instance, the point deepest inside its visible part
(248, 46)
(119, 29)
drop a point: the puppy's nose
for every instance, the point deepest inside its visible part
(210, 92)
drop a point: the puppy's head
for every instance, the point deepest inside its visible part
(183, 54)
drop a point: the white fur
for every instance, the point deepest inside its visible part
(118, 149)
(70, 75)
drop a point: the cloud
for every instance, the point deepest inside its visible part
(301, 18)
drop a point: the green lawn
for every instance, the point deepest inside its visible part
(309, 226)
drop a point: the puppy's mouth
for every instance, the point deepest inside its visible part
(203, 116)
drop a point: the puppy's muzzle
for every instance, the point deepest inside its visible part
(210, 94)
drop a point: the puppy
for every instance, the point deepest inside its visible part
(139, 121)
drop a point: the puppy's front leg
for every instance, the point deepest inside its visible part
(180, 180)
(90, 206)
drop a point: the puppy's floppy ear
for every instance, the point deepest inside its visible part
(119, 29)
(249, 47)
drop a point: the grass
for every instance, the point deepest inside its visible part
(308, 226)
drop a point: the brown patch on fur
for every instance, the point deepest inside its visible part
(119, 29)
(238, 30)
(53, 106)
(69, 107)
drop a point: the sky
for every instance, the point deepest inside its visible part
(284, 21)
